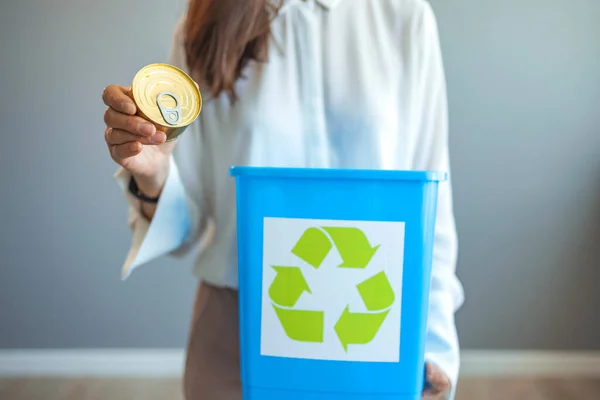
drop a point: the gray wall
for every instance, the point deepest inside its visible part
(524, 86)
(63, 220)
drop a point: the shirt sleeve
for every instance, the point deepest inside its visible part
(177, 222)
(432, 153)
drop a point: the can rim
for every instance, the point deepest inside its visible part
(339, 173)
(185, 75)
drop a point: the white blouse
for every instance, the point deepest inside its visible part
(348, 84)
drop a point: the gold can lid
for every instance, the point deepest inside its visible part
(166, 96)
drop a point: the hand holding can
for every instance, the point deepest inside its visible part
(144, 120)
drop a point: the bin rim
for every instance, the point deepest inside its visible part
(338, 173)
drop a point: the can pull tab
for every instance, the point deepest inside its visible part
(172, 115)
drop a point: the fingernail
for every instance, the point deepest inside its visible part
(146, 129)
(159, 138)
(129, 107)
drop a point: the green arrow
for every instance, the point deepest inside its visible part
(288, 286)
(302, 325)
(353, 245)
(312, 247)
(376, 292)
(355, 328)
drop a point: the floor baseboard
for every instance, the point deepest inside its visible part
(92, 363)
(503, 363)
(169, 363)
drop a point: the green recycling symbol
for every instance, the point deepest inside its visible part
(289, 284)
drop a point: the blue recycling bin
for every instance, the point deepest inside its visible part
(334, 273)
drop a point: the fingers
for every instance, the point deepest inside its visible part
(119, 136)
(440, 384)
(123, 151)
(133, 124)
(116, 98)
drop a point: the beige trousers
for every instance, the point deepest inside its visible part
(212, 369)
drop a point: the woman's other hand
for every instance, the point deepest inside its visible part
(439, 384)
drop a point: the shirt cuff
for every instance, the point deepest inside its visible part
(169, 227)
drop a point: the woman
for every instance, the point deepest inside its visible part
(325, 83)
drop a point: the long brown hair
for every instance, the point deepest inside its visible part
(222, 36)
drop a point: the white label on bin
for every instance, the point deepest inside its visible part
(332, 290)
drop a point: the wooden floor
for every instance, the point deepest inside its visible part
(97, 389)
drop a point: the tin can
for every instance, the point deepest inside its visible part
(167, 97)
